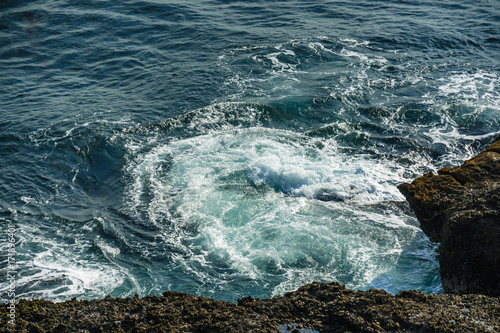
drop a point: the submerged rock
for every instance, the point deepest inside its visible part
(460, 208)
(325, 307)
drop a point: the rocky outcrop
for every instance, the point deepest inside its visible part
(325, 307)
(460, 208)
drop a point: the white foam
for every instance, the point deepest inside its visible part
(246, 199)
(288, 65)
(297, 171)
(107, 249)
(58, 270)
(85, 278)
(277, 64)
(354, 42)
(481, 87)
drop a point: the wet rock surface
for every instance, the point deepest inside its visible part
(319, 306)
(460, 208)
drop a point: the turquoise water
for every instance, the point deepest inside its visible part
(229, 149)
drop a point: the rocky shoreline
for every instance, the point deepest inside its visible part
(318, 306)
(459, 207)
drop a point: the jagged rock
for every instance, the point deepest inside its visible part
(460, 208)
(325, 307)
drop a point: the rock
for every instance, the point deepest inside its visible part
(325, 307)
(460, 208)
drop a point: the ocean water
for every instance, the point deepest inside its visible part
(233, 148)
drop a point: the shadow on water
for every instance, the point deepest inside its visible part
(424, 277)
(417, 267)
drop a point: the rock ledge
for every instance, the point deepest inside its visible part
(326, 307)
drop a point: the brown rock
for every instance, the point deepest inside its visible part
(460, 208)
(495, 147)
(325, 307)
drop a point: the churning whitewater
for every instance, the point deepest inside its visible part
(248, 207)
(228, 150)
(271, 207)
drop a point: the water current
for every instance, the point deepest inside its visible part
(233, 148)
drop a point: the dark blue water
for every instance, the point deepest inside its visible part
(230, 148)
